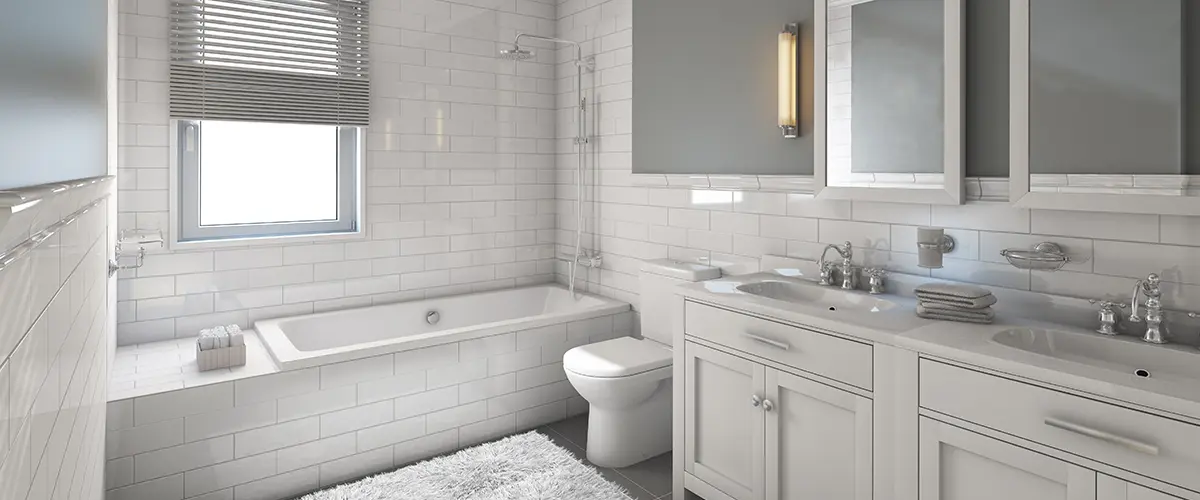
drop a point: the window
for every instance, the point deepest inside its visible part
(269, 100)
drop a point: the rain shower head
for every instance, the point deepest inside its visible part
(516, 53)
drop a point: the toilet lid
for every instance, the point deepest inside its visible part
(620, 357)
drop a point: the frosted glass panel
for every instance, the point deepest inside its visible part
(256, 173)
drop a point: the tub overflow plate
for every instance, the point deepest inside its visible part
(432, 317)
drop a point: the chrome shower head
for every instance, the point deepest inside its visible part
(516, 53)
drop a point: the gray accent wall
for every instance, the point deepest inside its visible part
(1109, 70)
(898, 103)
(53, 94)
(987, 88)
(705, 97)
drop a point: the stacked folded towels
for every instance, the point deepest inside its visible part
(220, 337)
(969, 304)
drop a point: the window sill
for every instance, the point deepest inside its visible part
(300, 239)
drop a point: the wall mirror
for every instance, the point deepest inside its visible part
(890, 115)
(1105, 105)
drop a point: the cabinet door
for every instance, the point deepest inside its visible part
(1111, 488)
(818, 440)
(724, 428)
(956, 464)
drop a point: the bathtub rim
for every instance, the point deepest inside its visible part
(287, 357)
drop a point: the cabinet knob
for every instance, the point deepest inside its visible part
(768, 405)
(755, 401)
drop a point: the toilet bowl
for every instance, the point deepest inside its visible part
(627, 383)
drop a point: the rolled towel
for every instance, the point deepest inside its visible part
(964, 296)
(983, 316)
(235, 335)
(208, 340)
(222, 336)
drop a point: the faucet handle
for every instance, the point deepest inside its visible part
(1107, 305)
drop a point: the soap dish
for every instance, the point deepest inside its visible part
(1045, 256)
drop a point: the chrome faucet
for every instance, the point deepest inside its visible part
(846, 252)
(1109, 318)
(1156, 332)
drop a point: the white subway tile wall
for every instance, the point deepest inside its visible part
(279, 435)
(628, 220)
(54, 351)
(459, 175)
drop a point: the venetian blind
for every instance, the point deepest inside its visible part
(287, 61)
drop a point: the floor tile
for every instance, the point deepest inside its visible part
(574, 429)
(653, 475)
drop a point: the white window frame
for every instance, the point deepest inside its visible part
(351, 213)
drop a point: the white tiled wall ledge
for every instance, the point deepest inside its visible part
(1163, 185)
(978, 188)
(27, 211)
(154, 367)
(283, 434)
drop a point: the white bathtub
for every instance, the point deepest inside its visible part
(320, 339)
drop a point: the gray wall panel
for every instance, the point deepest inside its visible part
(52, 91)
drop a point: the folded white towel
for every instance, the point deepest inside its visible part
(984, 316)
(964, 296)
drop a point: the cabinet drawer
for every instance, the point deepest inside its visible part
(1158, 447)
(826, 355)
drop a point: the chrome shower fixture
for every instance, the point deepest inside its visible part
(516, 53)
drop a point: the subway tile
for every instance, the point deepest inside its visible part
(168, 461)
(224, 475)
(456, 417)
(1180, 230)
(286, 485)
(392, 387)
(181, 403)
(264, 439)
(275, 386)
(1136, 260)
(390, 433)
(892, 213)
(426, 358)
(1100, 225)
(352, 419)
(229, 421)
(425, 402)
(354, 466)
(316, 403)
(479, 390)
(227, 260)
(804, 205)
(487, 346)
(862, 235)
(983, 216)
(315, 452)
(166, 488)
(788, 228)
(359, 370)
(141, 439)
(456, 374)
(517, 360)
(478, 432)
(425, 447)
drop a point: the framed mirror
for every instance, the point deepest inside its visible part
(889, 116)
(1104, 105)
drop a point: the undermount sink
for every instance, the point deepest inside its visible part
(833, 299)
(1126, 355)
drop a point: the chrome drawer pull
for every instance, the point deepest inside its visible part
(1107, 437)
(763, 340)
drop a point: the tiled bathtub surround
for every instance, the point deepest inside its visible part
(459, 175)
(629, 220)
(53, 341)
(279, 435)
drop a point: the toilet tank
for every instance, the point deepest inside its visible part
(660, 307)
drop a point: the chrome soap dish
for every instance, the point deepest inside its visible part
(1045, 256)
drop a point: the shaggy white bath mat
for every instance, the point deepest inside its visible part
(523, 467)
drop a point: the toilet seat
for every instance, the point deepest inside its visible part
(620, 357)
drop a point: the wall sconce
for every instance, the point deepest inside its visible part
(932, 243)
(787, 81)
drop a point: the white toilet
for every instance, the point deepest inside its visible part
(627, 381)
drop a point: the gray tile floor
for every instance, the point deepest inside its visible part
(647, 480)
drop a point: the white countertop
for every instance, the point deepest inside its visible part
(965, 343)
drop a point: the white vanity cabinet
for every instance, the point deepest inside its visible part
(756, 429)
(1074, 435)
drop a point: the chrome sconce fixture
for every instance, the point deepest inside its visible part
(787, 80)
(932, 243)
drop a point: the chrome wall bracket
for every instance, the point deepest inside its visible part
(141, 238)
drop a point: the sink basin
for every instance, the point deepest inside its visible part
(1122, 354)
(833, 299)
